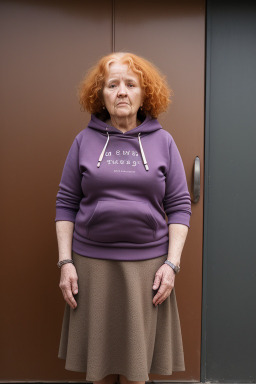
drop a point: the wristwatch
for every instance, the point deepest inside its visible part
(174, 267)
(62, 262)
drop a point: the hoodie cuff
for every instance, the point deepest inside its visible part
(179, 218)
(65, 215)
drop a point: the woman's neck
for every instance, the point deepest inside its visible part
(124, 124)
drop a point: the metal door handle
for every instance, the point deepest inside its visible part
(196, 180)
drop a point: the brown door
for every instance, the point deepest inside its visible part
(46, 46)
(171, 34)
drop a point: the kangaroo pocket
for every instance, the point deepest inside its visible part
(122, 220)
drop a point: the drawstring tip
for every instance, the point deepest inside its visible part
(98, 165)
(146, 167)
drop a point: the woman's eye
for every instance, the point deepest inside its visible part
(130, 85)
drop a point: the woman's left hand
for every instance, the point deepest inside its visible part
(164, 279)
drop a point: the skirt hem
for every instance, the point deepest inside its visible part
(130, 378)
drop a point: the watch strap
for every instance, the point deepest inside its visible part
(62, 262)
(174, 267)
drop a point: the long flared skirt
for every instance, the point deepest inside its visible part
(115, 328)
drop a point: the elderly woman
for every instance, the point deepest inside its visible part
(122, 217)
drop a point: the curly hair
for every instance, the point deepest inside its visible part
(156, 91)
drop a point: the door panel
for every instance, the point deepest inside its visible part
(171, 35)
(46, 47)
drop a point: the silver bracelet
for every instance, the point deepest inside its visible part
(62, 262)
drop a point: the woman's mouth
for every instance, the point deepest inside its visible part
(122, 103)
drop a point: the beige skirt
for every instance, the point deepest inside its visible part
(115, 328)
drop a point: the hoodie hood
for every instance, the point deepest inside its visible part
(148, 126)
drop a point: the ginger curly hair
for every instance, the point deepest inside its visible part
(156, 91)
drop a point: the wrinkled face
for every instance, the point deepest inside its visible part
(122, 93)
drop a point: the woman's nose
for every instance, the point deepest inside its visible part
(122, 90)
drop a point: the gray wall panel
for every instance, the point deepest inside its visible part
(229, 329)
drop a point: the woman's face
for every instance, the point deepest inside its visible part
(122, 92)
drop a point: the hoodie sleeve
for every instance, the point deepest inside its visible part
(177, 202)
(70, 192)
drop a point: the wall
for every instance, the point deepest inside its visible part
(229, 331)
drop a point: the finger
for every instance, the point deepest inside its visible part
(66, 298)
(74, 287)
(69, 298)
(156, 282)
(165, 297)
(159, 294)
(71, 301)
(163, 292)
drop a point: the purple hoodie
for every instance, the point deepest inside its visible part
(116, 187)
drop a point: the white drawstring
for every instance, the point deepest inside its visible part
(143, 154)
(103, 151)
(141, 150)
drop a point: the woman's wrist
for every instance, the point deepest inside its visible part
(175, 268)
(174, 260)
(64, 261)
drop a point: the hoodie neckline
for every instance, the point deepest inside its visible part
(147, 126)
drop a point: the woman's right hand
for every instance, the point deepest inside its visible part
(68, 284)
